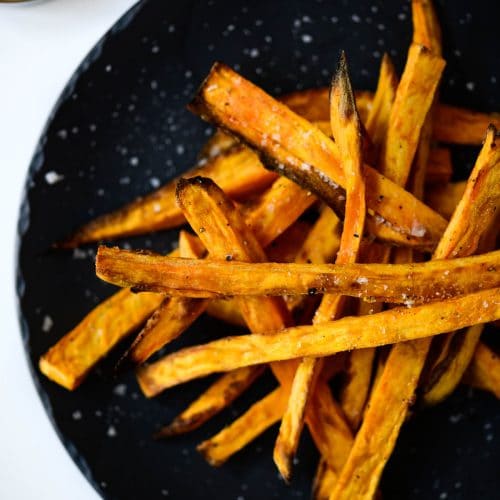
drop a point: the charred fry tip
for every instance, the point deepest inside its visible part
(283, 462)
(204, 450)
(341, 83)
(493, 131)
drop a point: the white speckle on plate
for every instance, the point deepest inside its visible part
(443, 495)
(165, 493)
(120, 390)
(155, 49)
(62, 134)
(381, 27)
(134, 161)
(124, 180)
(179, 149)
(111, 432)
(356, 18)
(53, 177)
(154, 84)
(108, 68)
(401, 16)
(155, 182)
(79, 254)
(47, 323)
(77, 415)
(306, 38)
(470, 86)
(253, 53)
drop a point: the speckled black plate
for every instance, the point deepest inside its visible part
(119, 129)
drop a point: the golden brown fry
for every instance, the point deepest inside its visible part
(324, 481)
(217, 397)
(378, 118)
(238, 171)
(74, 355)
(439, 168)
(452, 124)
(299, 150)
(484, 370)
(462, 126)
(395, 389)
(414, 97)
(444, 199)
(226, 310)
(276, 209)
(172, 317)
(453, 360)
(396, 325)
(478, 206)
(401, 283)
(426, 28)
(346, 128)
(286, 247)
(235, 436)
(224, 233)
(218, 144)
(354, 393)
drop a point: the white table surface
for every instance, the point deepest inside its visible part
(41, 44)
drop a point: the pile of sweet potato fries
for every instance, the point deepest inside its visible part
(397, 255)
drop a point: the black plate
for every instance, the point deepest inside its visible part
(119, 128)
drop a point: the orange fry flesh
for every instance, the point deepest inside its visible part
(238, 170)
(297, 149)
(389, 401)
(395, 325)
(414, 97)
(484, 370)
(74, 355)
(224, 232)
(444, 199)
(217, 397)
(397, 283)
(346, 128)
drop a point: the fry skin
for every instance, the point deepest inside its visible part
(444, 199)
(297, 149)
(346, 127)
(395, 389)
(397, 283)
(484, 370)
(68, 362)
(237, 170)
(395, 325)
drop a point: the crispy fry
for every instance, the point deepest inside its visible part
(444, 199)
(223, 232)
(346, 128)
(218, 144)
(226, 310)
(324, 481)
(238, 171)
(395, 325)
(389, 401)
(172, 317)
(414, 97)
(286, 247)
(401, 283)
(300, 151)
(378, 118)
(74, 355)
(462, 126)
(256, 420)
(217, 397)
(439, 169)
(484, 370)
(426, 29)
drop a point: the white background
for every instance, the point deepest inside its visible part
(41, 44)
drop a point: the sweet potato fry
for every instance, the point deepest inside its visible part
(324, 481)
(260, 417)
(297, 149)
(439, 168)
(395, 325)
(218, 144)
(172, 317)
(444, 199)
(395, 389)
(238, 171)
(217, 397)
(226, 310)
(426, 29)
(462, 126)
(378, 118)
(346, 127)
(74, 355)
(224, 233)
(401, 283)
(286, 247)
(414, 97)
(484, 370)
